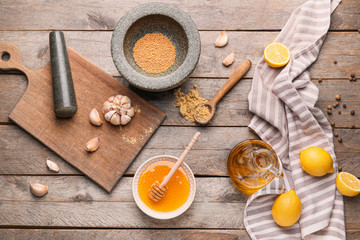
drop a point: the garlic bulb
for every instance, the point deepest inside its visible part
(118, 110)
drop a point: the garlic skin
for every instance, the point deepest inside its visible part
(38, 189)
(94, 117)
(118, 110)
(221, 40)
(228, 60)
(52, 166)
(93, 144)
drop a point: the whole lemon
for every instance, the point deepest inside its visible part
(286, 209)
(316, 161)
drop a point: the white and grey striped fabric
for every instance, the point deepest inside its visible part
(282, 101)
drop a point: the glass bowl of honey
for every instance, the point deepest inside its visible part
(180, 190)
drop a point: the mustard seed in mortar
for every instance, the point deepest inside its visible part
(154, 53)
(188, 103)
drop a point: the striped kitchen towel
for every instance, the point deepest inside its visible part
(282, 101)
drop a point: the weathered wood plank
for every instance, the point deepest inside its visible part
(227, 15)
(158, 234)
(231, 111)
(95, 46)
(81, 189)
(22, 154)
(353, 235)
(127, 215)
(118, 215)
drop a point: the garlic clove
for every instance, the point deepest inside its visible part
(125, 119)
(111, 99)
(38, 189)
(52, 166)
(115, 119)
(94, 117)
(229, 59)
(125, 100)
(93, 144)
(221, 40)
(117, 100)
(107, 107)
(109, 114)
(126, 106)
(131, 112)
(122, 111)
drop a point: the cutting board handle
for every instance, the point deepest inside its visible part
(10, 58)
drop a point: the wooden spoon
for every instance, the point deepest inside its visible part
(158, 190)
(239, 72)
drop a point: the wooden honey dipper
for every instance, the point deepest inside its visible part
(158, 190)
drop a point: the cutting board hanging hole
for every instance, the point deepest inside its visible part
(5, 56)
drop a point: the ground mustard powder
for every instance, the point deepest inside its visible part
(188, 103)
(154, 53)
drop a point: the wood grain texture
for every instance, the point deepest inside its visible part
(119, 215)
(81, 189)
(67, 137)
(95, 46)
(22, 154)
(225, 15)
(217, 205)
(154, 234)
(231, 111)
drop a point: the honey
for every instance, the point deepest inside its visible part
(177, 189)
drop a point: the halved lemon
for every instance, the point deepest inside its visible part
(348, 184)
(276, 55)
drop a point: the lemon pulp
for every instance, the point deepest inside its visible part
(276, 55)
(348, 184)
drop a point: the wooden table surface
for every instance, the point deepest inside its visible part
(75, 207)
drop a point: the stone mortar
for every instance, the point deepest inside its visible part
(156, 18)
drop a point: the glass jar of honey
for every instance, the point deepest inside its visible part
(252, 164)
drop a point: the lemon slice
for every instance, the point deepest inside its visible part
(276, 55)
(348, 184)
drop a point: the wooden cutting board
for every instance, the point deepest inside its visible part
(67, 137)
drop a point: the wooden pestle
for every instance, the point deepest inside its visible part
(158, 190)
